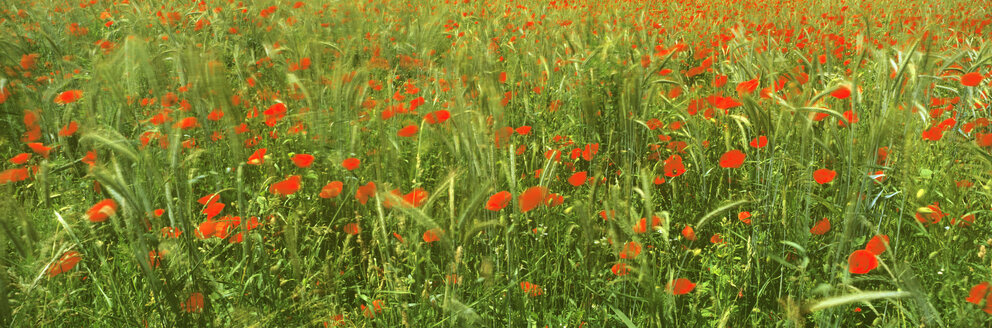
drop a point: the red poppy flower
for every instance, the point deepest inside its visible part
(744, 216)
(377, 305)
(364, 192)
(258, 157)
(502, 135)
(578, 178)
(187, 123)
(850, 117)
(680, 286)
(215, 115)
(964, 221)
(821, 227)
(274, 113)
(432, 235)
(878, 176)
(530, 289)
(286, 187)
(688, 233)
(66, 262)
(154, 258)
(498, 201)
(209, 199)
(206, 229)
(388, 201)
(747, 87)
(222, 229)
(69, 129)
(719, 81)
(861, 262)
(352, 229)
(532, 197)
(302, 160)
(878, 244)
(630, 250)
(13, 175)
(673, 166)
(732, 159)
(20, 158)
(33, 132)
(642, 225)
(90, 158)
(251, 224)
(331, 190)
(972, 79)
(589, 150)
(351, 164)
(40, 149)
(882, 155)
(194, 303)
(437, 117)
(213, 209)
(369, 312)
(934, 133)
(102, 210)
(823, 176)
(842, 92)
(978, 293)
(28, 61)
(415, 197)
(759, 142)
(932, 214)
(407, 131)
(620, 269)
(68, 97)
(724, 103)
(170, 232)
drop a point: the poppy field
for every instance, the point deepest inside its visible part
(463, 163)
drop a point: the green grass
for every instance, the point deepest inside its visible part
(576, 76)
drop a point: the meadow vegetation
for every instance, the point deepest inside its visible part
(677, 163)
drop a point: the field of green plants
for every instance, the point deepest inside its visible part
(465, 163)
